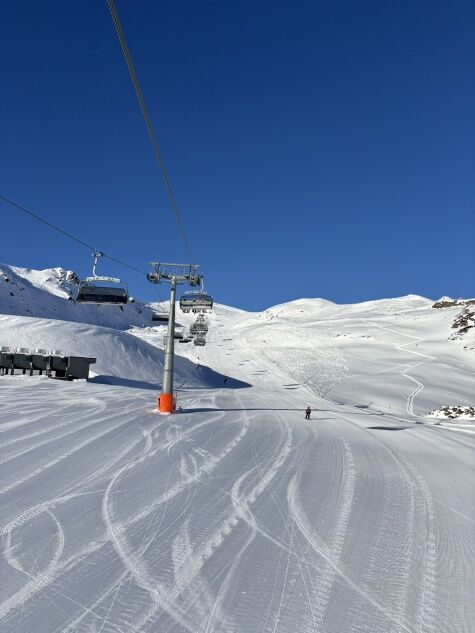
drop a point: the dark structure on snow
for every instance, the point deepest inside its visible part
(52, 363)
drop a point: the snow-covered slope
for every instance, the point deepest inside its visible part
(38, 310)
(394, 355)
(237, 515)
(51, 294)
(118, 353)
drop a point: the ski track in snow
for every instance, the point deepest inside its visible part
(404, 348)
(321, 593)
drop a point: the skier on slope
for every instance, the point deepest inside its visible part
(308, 411)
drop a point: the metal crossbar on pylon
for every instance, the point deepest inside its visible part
(180, 273)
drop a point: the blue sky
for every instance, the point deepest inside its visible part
(316, 149)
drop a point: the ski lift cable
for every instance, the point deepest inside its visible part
(18, 207)
(148, 122)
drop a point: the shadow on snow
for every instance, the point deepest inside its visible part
(208, 377)
(388, 428)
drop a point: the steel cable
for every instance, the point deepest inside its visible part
(148, 122)
(18, 207)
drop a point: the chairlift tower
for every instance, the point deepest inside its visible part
(172, 274)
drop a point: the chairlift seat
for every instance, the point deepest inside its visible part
(94, 293)
(198, 328)
(196, 302)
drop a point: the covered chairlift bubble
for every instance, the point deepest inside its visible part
(193, 301)
(93, 289)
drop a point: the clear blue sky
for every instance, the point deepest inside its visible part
(316, 148)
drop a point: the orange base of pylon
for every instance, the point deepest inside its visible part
(166, 403)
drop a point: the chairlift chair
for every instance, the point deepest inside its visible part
(93, 291)
(199, 327)
(200, 341)
(196, 302)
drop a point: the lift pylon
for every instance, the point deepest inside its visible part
(172, 274)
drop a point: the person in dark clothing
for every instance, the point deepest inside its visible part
(308, 411)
